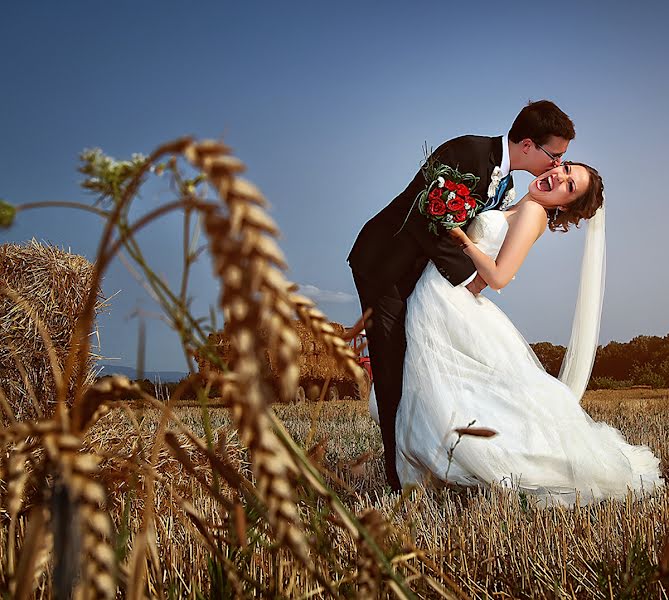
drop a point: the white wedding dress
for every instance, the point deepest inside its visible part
(465, 361)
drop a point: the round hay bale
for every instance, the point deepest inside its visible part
(315, 362)
(53, 285)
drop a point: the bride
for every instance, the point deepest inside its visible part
(465, 361)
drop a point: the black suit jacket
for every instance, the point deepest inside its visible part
(387, 254)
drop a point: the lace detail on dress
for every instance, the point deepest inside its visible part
(487, 230)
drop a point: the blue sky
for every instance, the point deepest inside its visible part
(329, 104)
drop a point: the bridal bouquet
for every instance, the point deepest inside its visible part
(447, 201)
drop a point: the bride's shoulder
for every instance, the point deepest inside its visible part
(531, 207)
(531, 213)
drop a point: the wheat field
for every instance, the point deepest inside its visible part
(458, 543)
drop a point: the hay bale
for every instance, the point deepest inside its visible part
(315, 362)
(54, 283)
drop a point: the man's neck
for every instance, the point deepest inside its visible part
(516, 156)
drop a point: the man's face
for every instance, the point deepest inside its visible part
(544, 157)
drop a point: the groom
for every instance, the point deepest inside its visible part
(394, 247)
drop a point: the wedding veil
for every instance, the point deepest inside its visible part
(580, 356)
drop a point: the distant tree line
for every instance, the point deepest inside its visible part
(643, 360)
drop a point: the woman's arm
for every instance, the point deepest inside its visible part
(525, 229)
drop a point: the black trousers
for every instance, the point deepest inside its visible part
(386, 340)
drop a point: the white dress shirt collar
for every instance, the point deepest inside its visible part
(506, 159)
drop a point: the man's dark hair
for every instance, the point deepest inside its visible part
(538, 121)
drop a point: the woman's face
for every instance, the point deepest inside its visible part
(560, 186)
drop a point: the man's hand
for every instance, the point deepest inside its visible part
(477, 285)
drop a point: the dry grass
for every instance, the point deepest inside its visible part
(491, 543)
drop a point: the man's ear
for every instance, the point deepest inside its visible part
(526, 145)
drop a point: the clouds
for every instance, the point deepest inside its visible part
(319, 295)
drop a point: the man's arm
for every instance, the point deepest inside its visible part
(449, 259)
(476, 285)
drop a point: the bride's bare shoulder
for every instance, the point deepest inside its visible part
(532, 207)
(531, 210)
(530, 213)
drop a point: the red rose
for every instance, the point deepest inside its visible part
(462, 189)
(437, 207)
(457, 203)
(435, 194)
(460, 216)
(470, 202)
(450, 185)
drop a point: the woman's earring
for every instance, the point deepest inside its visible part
(557, 212)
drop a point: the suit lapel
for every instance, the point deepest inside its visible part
(495, 157)
(494, 160)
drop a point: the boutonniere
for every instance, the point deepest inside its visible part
(495, 179)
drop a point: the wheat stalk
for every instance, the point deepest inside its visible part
(248, 264)
(84, 500)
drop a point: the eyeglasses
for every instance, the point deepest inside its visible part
(553, 157)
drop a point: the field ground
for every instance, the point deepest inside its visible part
(491, 544)
(482, 544)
